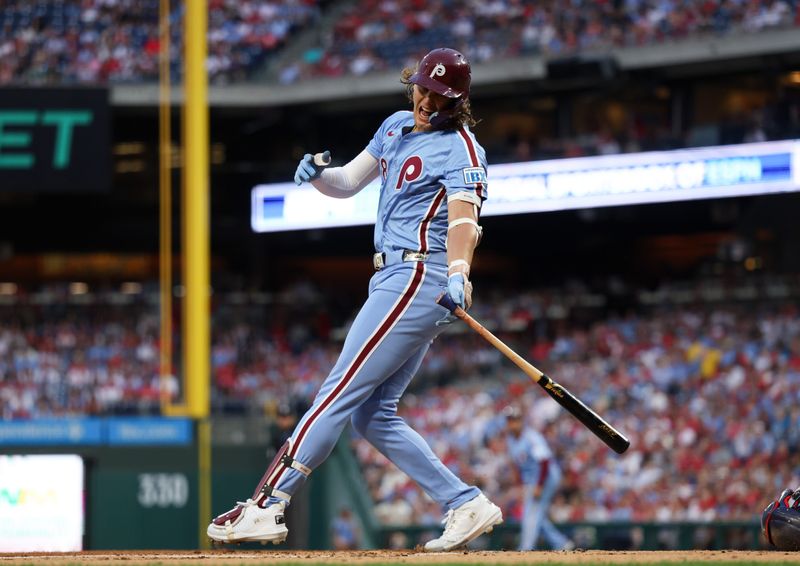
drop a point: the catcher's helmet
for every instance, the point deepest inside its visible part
(445, 71)
(780, 521)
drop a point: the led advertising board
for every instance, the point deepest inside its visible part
(563, 184)
(41, 503)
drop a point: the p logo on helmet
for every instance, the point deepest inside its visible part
(438, 71)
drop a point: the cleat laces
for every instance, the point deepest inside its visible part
(451, 522)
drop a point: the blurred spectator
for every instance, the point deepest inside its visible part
(345, 531)
(282, 426)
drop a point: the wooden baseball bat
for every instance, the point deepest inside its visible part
(594, 422)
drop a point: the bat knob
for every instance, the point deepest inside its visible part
(322, 159)
(448, 303)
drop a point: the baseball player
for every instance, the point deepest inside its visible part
(433, 183)
(541, 476)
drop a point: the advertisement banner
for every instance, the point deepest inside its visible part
(41, 503)
(563, 184)
(55, 140)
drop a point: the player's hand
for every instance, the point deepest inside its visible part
(460, 290)
(308, 169)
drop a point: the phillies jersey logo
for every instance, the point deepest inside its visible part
(438, 71)
(410, 171)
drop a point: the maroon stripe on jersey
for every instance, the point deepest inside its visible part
(473, 156)
(360, 358)
(426, 220)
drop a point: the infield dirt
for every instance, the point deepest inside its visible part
(275, 558)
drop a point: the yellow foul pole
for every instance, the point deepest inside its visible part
(196, 344)
(165, 200)
(196, 223)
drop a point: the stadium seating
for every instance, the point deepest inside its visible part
(71, 41)
(117, 41)
(394, 33)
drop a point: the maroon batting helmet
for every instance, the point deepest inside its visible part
(445, 71)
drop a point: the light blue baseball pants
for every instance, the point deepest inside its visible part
(535, 514)
(382, 352)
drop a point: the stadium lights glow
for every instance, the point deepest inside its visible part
(78, 288)
(8, 289)
(129, 148)
(565, 184)
(131, 288)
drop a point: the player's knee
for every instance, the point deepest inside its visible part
(361, 419)
(371, 418)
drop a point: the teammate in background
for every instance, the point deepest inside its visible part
(344, 531)
(541, 476)
(433, 183)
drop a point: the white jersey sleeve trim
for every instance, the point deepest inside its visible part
(348, 180)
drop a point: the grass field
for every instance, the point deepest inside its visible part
(401, 558)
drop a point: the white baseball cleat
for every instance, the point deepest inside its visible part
(466, 523)
(248, 522)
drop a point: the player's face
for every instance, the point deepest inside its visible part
(426, 102)
(514, 426)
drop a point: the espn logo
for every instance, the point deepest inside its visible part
(474, 175)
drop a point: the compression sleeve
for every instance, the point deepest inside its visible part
(346, 181)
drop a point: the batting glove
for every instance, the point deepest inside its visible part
(460, 290)
(307, 170)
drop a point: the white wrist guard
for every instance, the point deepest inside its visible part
(458, 266)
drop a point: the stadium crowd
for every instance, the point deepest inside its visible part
(708, 393)
(377, 35)
(91, 41)
(117, 41)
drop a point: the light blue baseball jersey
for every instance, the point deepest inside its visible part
(531, 453)
(418, 171)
